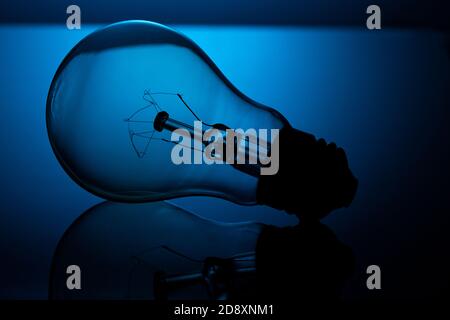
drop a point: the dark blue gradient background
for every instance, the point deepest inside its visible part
(384, 96)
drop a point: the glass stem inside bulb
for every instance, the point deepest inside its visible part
(249, 146)
(214, 272)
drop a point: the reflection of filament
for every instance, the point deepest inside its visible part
(242, 263)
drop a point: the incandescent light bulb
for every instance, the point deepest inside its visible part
(124, 99)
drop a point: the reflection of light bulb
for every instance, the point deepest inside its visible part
(151, 250)
(115, 141)
(158, 250)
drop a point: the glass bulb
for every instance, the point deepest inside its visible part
(120, 93)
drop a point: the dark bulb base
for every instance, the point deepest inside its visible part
(313, 177)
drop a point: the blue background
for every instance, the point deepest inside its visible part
(382, 95)
(399, 13)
